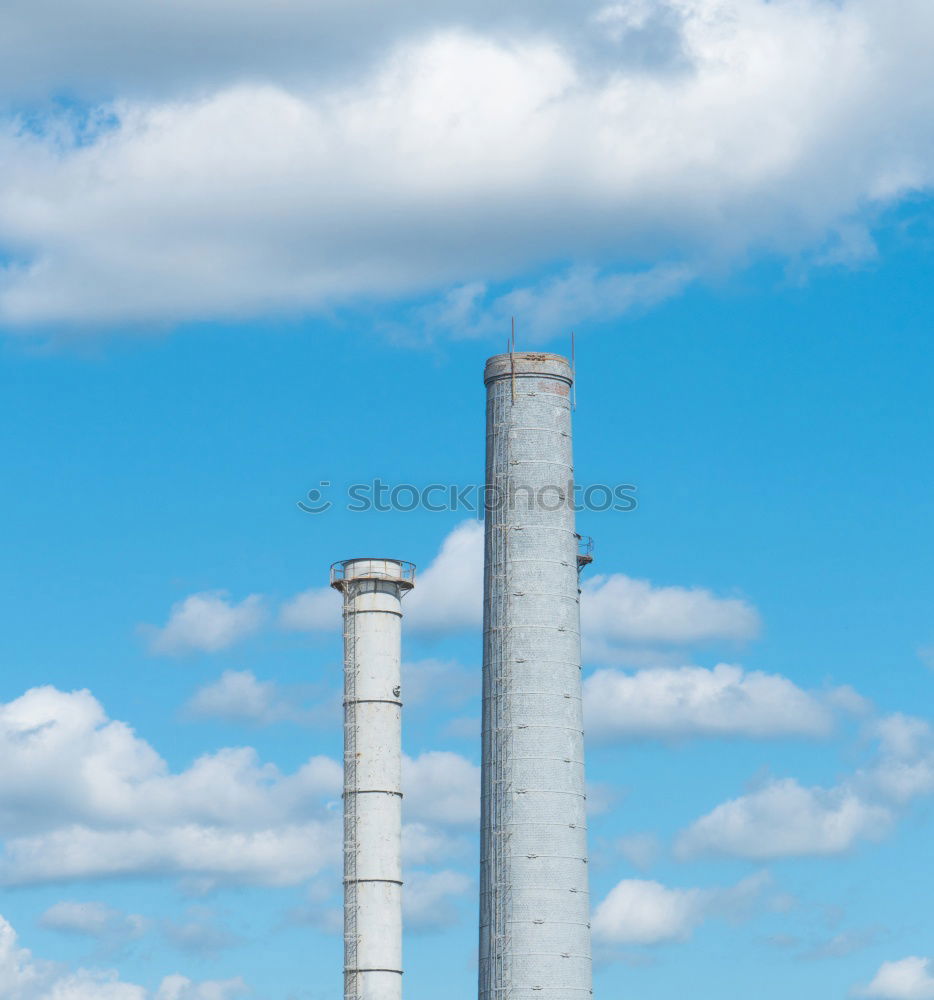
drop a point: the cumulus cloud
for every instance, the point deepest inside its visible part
(428, 899)
(237, 696)
(746, 126)
(907, 979)
(95, 920)
(178, 987)
(639, 849)
(68, 762)
(441, 787)
(429, 844)
(640, 912)
(199, 933)
(785, 819)
(695, 702)
(448, 595)
(23, 977)
(206, 622)
(904, 767)
(82, 795)
(278, 856)
(315, 610)
(618, 609)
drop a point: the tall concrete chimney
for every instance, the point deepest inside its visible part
(373, 591)
(534, 898)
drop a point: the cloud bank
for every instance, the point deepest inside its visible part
(907, 979)
(618, 609)
(640, 912)
(207, 622)
(23, 977)
(695, 702)
(448, 596)
(786, 819)
(748, 127)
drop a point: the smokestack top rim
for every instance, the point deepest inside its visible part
(528, 363)
(398, 571)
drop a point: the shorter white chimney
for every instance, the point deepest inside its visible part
(373, 590)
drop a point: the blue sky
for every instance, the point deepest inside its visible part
(281, 259)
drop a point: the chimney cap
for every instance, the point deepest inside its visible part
(396, 571)
(528, 363)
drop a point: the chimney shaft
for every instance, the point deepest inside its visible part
(372, 591)
(534, 900)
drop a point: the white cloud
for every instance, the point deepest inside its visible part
(448, 594)
(279, 855)
(182, 988)
(907, 979)
(640, 912)
(441, 787)
(179, 44)
(692, 701)
(81, 795)
(68, 763)
(751, 126)
(428, 844)
(903, 736)
(548, 307)
(237, 696)
(849, 700)
(904, 767)
(428, 897)
(784, 819)
(24, 978)
(206, 622)
(315, 610)
(199, 933)
(618, 609)
(94, 919)
(17, 972)
(639, 849)
(840, 945)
